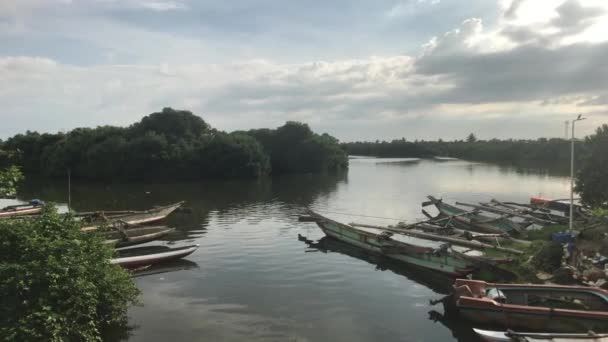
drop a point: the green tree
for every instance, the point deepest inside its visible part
(295, 148)
(173, 144)
(471, 138)
(58, 283)
(592, 177)
(9, 179)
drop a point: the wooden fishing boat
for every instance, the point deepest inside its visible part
(31, 208)
(135, 236)
(473, 220)
(530, 307)
(97, 219)
(511, 336)
(138, 257)
(433, 255)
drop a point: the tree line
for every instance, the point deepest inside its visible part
(591, 156)
(173, 145)
(550, 150)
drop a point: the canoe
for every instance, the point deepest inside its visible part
(135, 236)
(132, 218)
(32, 208)
(532, 307)
(427, 254)
(134, 259)
(473, 220)
(510, 336)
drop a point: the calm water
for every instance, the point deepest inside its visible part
(253, 279)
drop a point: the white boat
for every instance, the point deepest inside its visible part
(510, 336)
(139, 260)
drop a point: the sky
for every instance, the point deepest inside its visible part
(358, 70)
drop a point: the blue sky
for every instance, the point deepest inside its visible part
(420, 69)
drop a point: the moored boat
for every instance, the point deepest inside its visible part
(98, 219)
(473, 220)
(532, 307)
(135, 236)
(31, 208)
(433, 255)
(138, 257)
(511, 336)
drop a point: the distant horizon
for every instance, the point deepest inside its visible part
(371, 140)
(423, 69)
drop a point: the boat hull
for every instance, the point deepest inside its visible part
(137, 261)
(532, 321)
(409, 254)
(20, 212)
(138, 218)
(136, 236)
(532, 307)
(475, 222)
(500, 336)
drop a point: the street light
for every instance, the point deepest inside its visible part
(579, 118)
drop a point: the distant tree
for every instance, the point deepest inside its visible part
(592, 178)
(471, 138)
(294, 148)
(172, 144)
(174, 124)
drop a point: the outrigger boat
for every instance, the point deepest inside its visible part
(145, 256)
(135, 236)
(439, 256)
(511, 336)
(96, 219)
(531, 307)
(473, 220)
(32, 208)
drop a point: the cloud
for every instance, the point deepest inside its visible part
(518, 69)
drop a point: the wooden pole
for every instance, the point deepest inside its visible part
(435, 220)
(505, 212)
(433, 237)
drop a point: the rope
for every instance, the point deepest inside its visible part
(359, 215)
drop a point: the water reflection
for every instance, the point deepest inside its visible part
(166, 267)
(252, 279)
(439, 283)
(461, 330)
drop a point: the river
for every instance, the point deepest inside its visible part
(253, 279)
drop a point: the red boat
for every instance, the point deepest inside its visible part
(531, 307)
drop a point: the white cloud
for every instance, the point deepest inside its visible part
(541, 68)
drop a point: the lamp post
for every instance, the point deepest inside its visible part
(579, 118)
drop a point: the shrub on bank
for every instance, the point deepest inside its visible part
(58, 283)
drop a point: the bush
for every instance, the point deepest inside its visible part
(9, 179)
(549, 257)
(57, 282)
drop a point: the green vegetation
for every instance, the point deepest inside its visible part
(592, 177)
(9, 178)
(175, 145)
(549, 151)
(548, 257)
(295, 148)
(58, 283)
